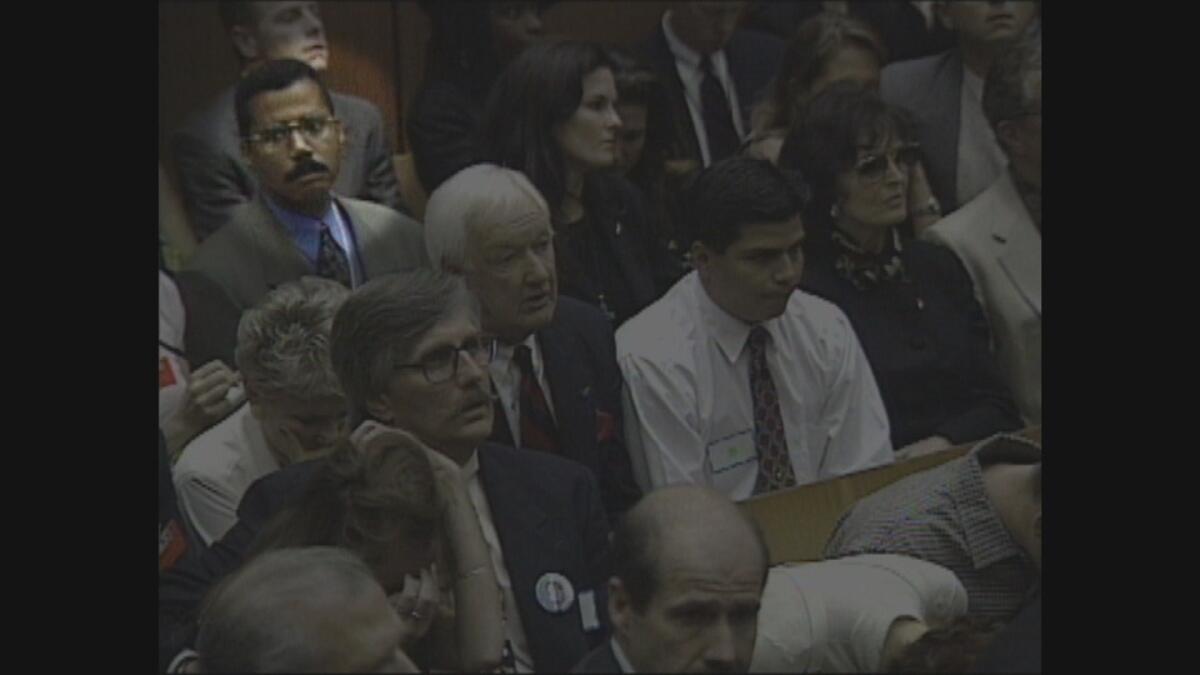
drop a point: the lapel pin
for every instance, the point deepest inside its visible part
(554, 592)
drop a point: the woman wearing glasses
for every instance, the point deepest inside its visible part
(911, 303)
(552, 116)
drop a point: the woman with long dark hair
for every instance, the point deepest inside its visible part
(552, 116)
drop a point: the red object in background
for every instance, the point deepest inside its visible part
(166, 373)
(606, 426)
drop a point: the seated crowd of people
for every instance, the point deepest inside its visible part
(509, 430)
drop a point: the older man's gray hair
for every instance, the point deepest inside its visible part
(479, 195)
(1011, 88)
(255, 620)
(283, 342)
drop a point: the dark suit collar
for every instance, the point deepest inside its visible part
(567, 387)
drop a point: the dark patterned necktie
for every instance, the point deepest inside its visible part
(537, 424)
(774, 464)
(331, 259)
(723, 138)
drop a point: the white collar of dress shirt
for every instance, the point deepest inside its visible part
(690, 57)
(619, 654)
(505, 353)
(471, 469)
(729, 331)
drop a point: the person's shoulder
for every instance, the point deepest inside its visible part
(348, 105)
(910, 69)
(212, 119)
(536, 466)
(817, 317)
(375, 213)
(663, 331)
(580, 317)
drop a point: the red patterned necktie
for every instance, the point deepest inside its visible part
(774, 464)
(331, 259)
(537, 424)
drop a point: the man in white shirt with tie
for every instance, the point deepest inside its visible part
(736, 379)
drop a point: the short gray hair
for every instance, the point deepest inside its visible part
(283, 342)
(1009, 89)
(483, 194)
(379, 326)
(258, 620)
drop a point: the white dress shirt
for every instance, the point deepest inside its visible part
(217, 467)
(687, 392)
(834, 616)
(506, 377)
(687, 63)
(980, 159)
(514, 631)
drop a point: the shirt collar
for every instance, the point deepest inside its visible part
(622, 660)
(298, 223)
(729, 332)
(470, 470)
(684, 53)
(988, 541)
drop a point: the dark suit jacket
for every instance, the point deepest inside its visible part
(547, 514)
(213, 178)
(930, 88)
(599, 660)
(441, 130)
(753, 59)
(253, 254)
(579, 353)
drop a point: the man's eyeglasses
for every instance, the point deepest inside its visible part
(442, 365)
(874, 167)
(313, 129)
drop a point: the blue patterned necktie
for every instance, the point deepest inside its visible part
(331, 259)
(774, 464)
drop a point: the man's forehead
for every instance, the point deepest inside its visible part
(298, 99)
(456, 325)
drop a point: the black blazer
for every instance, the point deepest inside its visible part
(618, 218)
(927, 342)
(547, 514)
(599, 660)
(579, 353)
(753, 59)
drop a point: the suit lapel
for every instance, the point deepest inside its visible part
(686, 145)
(281, 260)
(531, 547)
(1021, 253)
(568, 392)
(365, 236)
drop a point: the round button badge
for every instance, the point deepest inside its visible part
(554, 592)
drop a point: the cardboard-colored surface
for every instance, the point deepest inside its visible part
(798, 521)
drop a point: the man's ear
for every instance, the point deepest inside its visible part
(620, 610)
(244, 42)
(380, 407)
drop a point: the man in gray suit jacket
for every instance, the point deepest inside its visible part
(998, 236)
(296, 225)
(214, 178)
(944, 93)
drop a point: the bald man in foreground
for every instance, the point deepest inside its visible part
(688, 574)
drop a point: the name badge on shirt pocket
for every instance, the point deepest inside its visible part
(731, 451)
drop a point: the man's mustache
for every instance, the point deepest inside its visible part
(304, 168)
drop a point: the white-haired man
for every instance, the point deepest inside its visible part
(555, 373)
(295, 407)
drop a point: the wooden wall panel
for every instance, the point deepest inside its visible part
(619, 22)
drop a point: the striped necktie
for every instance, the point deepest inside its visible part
(538, 431)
